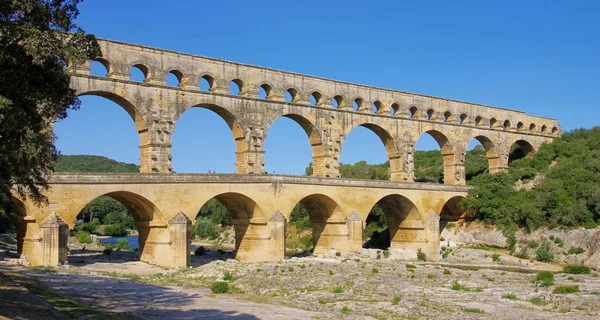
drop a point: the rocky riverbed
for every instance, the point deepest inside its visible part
(367, 285)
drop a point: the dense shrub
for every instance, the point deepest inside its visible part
(566, 289)
(123, 244)
(90, 227)
(204, 229)
(219, 287)
(544, 278)
(307, 241)
(120, 217)
(115, 230)
(543, 253)
(576, 269)
(421, 256)
(577, 250)
(83, 237)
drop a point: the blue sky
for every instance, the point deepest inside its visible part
(542, 57)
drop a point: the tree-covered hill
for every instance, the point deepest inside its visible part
(88, 163)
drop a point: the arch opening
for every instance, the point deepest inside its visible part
(174, 78)
(532, 128)
(12, 223)
(506, 125)
(394, 109)
(463, 118)
(286, 150)
(315, 98)
(209, 120)
(236, 87)
(520, 126)
(493, 122)
(138, 73)
(478, 121)
(232, 220)
(430, 115)
(391, 223)
(264, 91)
(447, 116)
(291, 95)
(544, 129)
(100, 67)
(82, 136)
(480, 157)
(434, 158)
(311, 227)
(124, 217)
(357, 104)
(337, 102)
(206, 83)
(452, 213)
(376, 106)
(362, 148)
(521, 149)
(413, 113)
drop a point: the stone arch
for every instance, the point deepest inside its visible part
(24, 228)
(544, 129)
(430, 114)
(463, 118)
(143, 68)
(293, 92)
(532, 128)
(318, 96)
(451, 212)
(448, 156)
(326, 217)
(376, 106)
(238, 132)
(268, 88)
(107, 65)
(389, 142)
(492, 154)
(240, 85)
(478, 121)
(413, 112)
(395, 107)
(340, 101)
(315, 139)
(446, 116)
(209, 79)
(404, 221)
(520, 126)
(249, 223)
(507, 125)
(555, 131)
(358, 104)
(137, 115)
(178, 74)
(528, 149)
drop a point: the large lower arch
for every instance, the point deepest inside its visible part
(396, 170)
(527, 150)
(453, 168)
(254, 239)
(329, 229)
(404, 224)
(452, 211)
(141, 125)
(242, 146)
(19, 212)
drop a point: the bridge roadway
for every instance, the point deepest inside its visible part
(165, 205)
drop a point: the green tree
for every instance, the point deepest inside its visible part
(37, 37)
(214, 210)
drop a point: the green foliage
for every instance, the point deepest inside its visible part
(306, 241)
(447, 272)
(123, 244)
(396, 300)
(89, 227)
(120, 217)
(228, 276)
(115, 230)
(495, 257)
(538, 301)
(421, 256)
(345, 310)
(219, 287)
(473, 310)
(37, 38)
(544, 278)
(204, 229)
(566, 289)
(577, 250)
(509, 296)
(89, 163)
(338, 290)
(543, 253)
(83, 237)
(576, 269)
(300, 217)
(567, 196)
(214, 210)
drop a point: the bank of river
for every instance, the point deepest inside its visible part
(134, 242)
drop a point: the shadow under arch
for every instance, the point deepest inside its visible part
(452, 211)
(324, 213)
(237, 131)
(490, 152)
(390, 147)
(447, 151)
(249, 223)
(18, 211)
(524, 149)
(402, 218)
(314, 138)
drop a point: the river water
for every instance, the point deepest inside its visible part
(133, 241)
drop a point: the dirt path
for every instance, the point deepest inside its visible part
(144, 301)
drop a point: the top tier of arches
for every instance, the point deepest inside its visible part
(223, 77)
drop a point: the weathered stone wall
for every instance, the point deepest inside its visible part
(398, 118)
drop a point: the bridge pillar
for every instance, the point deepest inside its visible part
(454, 167)
(402, 166)
(355, 232)
(55, 234)
(179, 229)
(154, 243)
(416, 234)
(155, 147)
(259, 240)
(498, 162)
